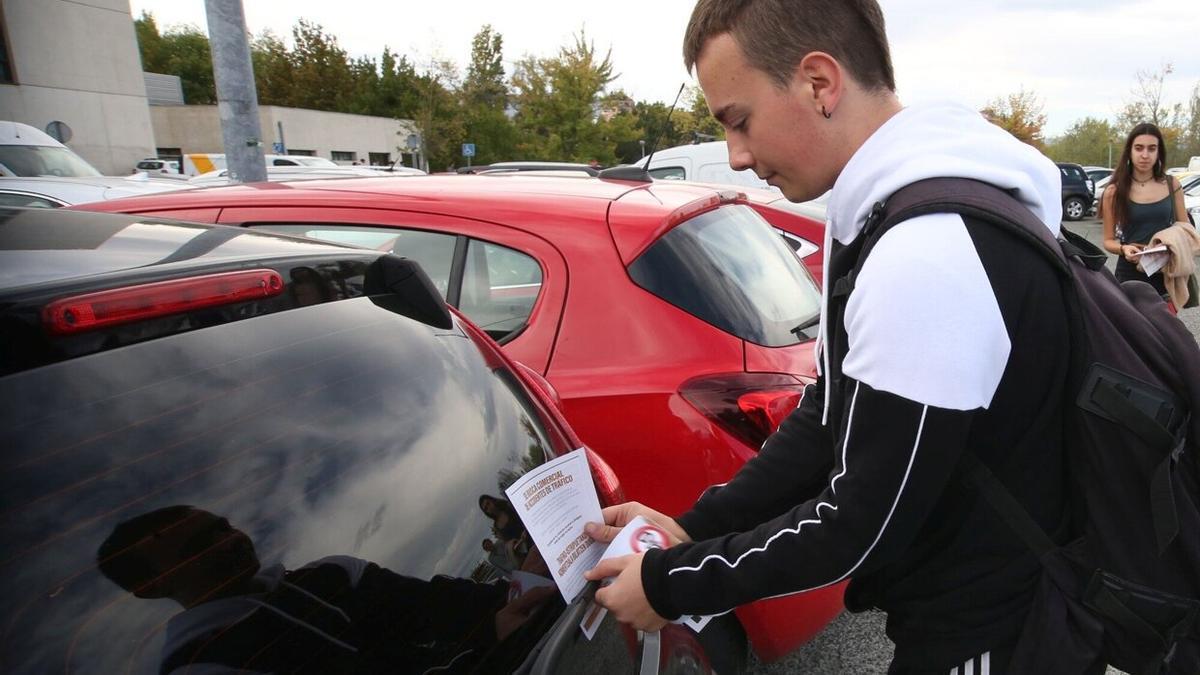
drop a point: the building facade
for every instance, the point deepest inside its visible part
(77, 62)
(344, 138)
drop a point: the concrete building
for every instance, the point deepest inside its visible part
(343, 138)
(77, 62)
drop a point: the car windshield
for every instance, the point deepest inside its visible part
(729, 268)
(43, 160)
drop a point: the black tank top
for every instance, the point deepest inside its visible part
(1145, 220)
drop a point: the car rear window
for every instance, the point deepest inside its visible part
(334, 437)
(729, 268)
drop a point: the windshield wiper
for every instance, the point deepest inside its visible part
(799, 331)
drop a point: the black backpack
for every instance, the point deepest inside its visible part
(1125, 590)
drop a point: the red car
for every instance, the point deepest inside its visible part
(674, 324)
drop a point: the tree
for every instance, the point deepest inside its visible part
(438, 113)
(1177, 121)
(1089, 141)
(1019, 114)
(1146, 104)
(1189, 145)
(485, 100)
(274, 75)
(484, 84)
(183, 51)
(321, 72)
(557, 100)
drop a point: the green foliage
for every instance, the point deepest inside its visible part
(274, 74)
(1189, 138)
(1089, 142)
(485, 100)
(182, 51)
(557, 101)
(321, 73)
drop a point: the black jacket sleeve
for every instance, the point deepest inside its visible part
(792, 466)
(892, 460)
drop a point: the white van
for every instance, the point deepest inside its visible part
(709, 163)
(28, 151)
(701, 162)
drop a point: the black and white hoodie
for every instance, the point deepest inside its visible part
(954, 337)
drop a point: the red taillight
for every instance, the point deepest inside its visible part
(750, 406)
(607, 483)
(117, 306)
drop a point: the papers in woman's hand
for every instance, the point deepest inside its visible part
(1152, 259)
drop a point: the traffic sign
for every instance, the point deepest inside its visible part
(468, 150)
(279, 149)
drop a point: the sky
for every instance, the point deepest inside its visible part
(1080, 57)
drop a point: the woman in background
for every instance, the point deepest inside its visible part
(1139, 201)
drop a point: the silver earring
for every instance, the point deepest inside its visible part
(826, 113)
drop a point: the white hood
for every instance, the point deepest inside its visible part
(935, 140)
(941, 140)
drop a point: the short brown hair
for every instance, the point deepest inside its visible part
(774, 35)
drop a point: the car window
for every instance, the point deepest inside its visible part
(499, 287)
(1072, 172)
(730, 268)
(338, 462)
(27, 200)
(38, 160)
(800, 245)
(434, 251)
(669, 173)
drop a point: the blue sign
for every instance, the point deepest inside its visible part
(279, 149)
(468, 149)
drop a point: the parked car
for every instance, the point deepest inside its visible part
(196, 163)
(802, 225)
(1078, 191)
(1099, 188)
(509, 167)
(303, 172)
(673, 322)
(242, 451)
(1191, 201)
(1096, 173)
(709, 163)
(52, 191)
(26, 151)
(156, 165)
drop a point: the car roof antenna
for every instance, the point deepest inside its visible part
(642, 173)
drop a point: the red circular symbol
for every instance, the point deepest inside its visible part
(647, 537)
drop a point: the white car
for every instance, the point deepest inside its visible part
(156, 165)
(282, 173)
(55, 191)
(1191, 201)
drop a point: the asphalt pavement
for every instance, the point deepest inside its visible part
(855, 643)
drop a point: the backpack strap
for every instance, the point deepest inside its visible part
(966, 197)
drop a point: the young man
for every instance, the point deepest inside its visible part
(953, 338)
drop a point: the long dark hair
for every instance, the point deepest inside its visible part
(1123, 176)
